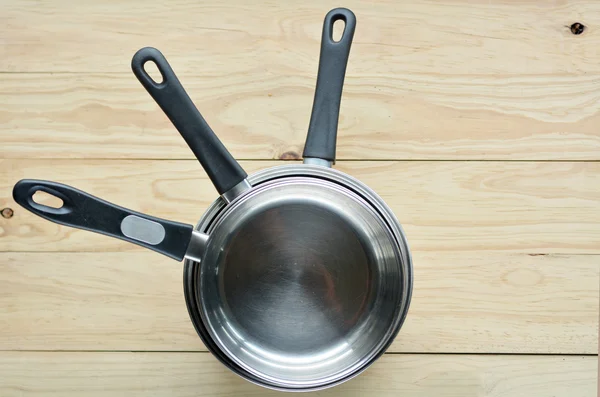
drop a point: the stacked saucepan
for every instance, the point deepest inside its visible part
(297, 277)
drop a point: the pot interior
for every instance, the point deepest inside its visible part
(302, 282)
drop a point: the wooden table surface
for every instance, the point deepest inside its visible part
(477, 121)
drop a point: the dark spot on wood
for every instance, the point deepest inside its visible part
(577, 28)
(289, 155)
(7, 213)
(537, 254)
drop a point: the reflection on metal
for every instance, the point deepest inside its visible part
(237, 190)
(316, 161)
(311, 288)
(197, 246)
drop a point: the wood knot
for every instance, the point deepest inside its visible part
(7, 213)
(289, 155)
(577, 28)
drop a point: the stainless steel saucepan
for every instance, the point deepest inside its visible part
(297, 277)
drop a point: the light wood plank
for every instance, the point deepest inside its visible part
(449, 79)
(199, 374)
(443, 206)
(462, 302)
(458, 37)
(266, 117)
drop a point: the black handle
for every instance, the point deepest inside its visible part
(322, 130)
(218, 163)
(84, 211)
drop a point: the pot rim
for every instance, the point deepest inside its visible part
(302, 170)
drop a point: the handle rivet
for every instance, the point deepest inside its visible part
(7, 213)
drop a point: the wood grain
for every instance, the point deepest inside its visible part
(450, 79)
(198, 374)
(506, 253)
(462, 302)
(405, 117)
(458, 37)
(528, 207)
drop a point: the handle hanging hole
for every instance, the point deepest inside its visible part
(338, 30)
(48, 200)
(152, 70)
